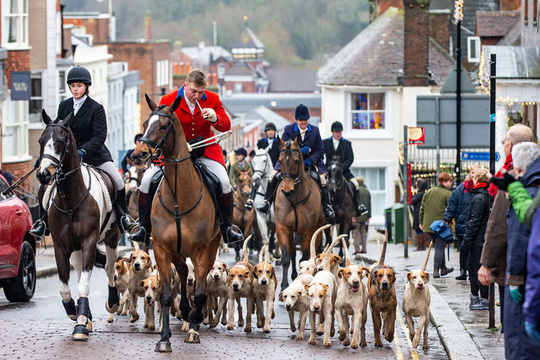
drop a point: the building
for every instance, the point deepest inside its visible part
(253, 123)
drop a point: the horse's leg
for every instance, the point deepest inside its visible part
(285, 238)
(113, 300)
(84, 316)
(163, 261)
(63, 266)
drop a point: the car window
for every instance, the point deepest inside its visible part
(3, 187)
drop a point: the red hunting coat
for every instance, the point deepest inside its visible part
(195, 125)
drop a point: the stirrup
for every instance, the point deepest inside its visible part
(127, 219)
(135, 236)
(249, 204)
(264, 207)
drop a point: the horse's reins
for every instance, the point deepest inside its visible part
(59, 176)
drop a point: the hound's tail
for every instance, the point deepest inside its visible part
(244, 248)
(263, 254)
(347, 254)
(326, 260)
(427, 256)
(312, 250)
(383, 252)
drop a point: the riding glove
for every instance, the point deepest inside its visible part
(305, 150)
(211, 115)
(81, 154)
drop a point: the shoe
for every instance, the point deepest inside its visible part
(264, 207)
(480, 304)
(446, 271)
(38, 229)
(436, 273)
(356, 252)
(420, 249)
(463, 275)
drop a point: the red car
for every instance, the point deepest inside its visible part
(17, 247)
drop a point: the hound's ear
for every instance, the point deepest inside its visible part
(225, 266)
(409, 276)
(340, 273)
(339, 259)
(366, 270)
(254, 273)
(273, 275)
(149, 265)
(141, 283)
(325, 287)
(175, 104)
(46, 119)
(281, 296)
(427, 277)
(249, 274)
(393, 276)
(307, 287)
(151, 104)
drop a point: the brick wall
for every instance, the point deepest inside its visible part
(99, 28)
(19, 169)
(17, 60)
(416, 49)
(439, 29)
(385, 4)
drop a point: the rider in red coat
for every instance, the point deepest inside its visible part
(199, 111)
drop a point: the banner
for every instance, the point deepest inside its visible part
(20, 85)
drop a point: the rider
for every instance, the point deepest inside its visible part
(89, 127)
(337, 145)
(270, 141)
(127, 158)
(195, 123)
(312, 150)
(243, 165)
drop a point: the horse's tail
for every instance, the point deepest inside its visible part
(244, 247)
(312, 250)
(427, 256)
(383, 252)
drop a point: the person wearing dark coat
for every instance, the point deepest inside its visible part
(270, 141)
(310, 142)
(89, 127)
(127, 158)
(422, 239)
(474, 237)
(336, 145)
(458, 209)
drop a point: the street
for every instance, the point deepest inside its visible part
(41, 330)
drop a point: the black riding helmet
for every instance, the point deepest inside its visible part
(270, 126)
(79, 74)
(337, 126)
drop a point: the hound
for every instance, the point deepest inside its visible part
(295, 299)
(264, 289)
(141, 268)
(190, 291)
(309, 266)
(416, 301)
(216, 288)
(122, 273)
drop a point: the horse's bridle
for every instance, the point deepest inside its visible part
(159, 144)
(59, 175)
(339, 182)
(295, 176)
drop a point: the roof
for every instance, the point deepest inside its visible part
(266, 115)
(248, 39)
(470, 10)
(240, 69)
(375, 56)
(495, 23)
(201, 54)
(292, 80)
(514, 62)
(240, 104)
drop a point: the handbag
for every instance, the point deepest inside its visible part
(443, 230)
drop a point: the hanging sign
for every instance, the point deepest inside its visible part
(417, 135)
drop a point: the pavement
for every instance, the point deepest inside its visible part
(463, 333)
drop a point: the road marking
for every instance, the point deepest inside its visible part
(414, 354)
(399, 353)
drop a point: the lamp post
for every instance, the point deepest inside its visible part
(458, 16)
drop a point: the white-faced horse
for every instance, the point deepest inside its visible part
(80, 215)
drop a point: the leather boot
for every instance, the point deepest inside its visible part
(145, 224)
(357, 206)
(446, 270)
(269, 196)
(249, 203)
(327, 207)
(419, 243)
(229, 235)
(120, 207)
(463, 275)
(436, 273)
(40, 228)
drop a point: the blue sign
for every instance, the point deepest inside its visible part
(20, 85)
(478, 156)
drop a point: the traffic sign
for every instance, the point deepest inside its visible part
(478, 156)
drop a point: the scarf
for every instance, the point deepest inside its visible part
(507, 166)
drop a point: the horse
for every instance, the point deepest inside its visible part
(242, 217)
(80, 215)
(132, 191)
(297, 206)
(262, 169)
(184, 221)
(341, 195)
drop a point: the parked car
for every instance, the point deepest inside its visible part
(17, 247)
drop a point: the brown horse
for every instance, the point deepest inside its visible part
(80, 215)
(183, 217)
(243, 217)
(297, 206)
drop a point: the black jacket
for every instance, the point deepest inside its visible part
(344, 150)
(89, 127)
(273, 152)
(478, 217)
(416, 202)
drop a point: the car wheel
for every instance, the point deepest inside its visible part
(23, 286)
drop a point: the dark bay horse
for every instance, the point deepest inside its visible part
(297, 206)
(341, 195)
(242, 217)
(183, 213)
(80, 215)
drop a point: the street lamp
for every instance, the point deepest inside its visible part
(458, 16)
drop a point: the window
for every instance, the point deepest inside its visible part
(36, 100)
(375, 182)
(368, 111)
(15, 131)
(62, 85)
(473, 49)
(162, 72)
(15, 24)
(238, 87)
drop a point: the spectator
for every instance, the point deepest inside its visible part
(458, 209)
(475, 231)
(362, 221)
(126, 161)
(493, 258)
(421, 238)
(432, 209)
(526, 158)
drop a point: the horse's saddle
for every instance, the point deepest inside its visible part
(109, 183)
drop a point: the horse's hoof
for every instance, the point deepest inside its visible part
(111, 309)
(163, 346)
(80, 333)
(192, 337)
(90, 326)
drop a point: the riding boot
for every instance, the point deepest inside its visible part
(145, 224)
(269, 197)
(327, 207)
(120, 207)
(357, 206)
(419, 243)
(229, 235)
(40, 227)
(249, 203)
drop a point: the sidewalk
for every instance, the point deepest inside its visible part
(464, 333)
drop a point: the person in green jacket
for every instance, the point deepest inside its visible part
(362, 221)
(240, 164)
(432, 209)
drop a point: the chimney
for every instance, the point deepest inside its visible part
(378, 7)
(510, 5)
(439, 27)
(148, 25)
(416, 43)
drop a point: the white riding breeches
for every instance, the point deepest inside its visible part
(355, 182)
(322, 177)
(213, 166)
(111, 169)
